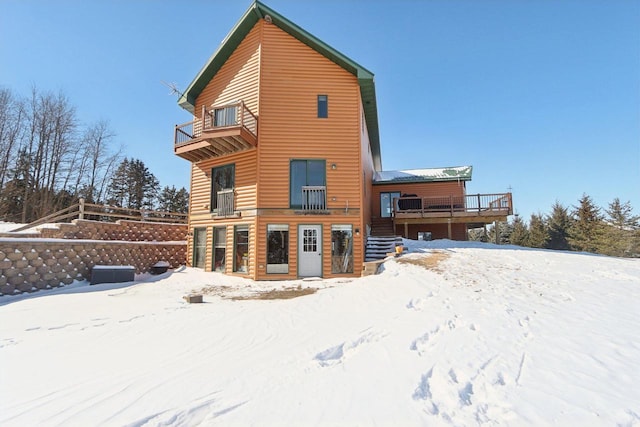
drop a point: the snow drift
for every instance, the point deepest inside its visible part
(450, 334)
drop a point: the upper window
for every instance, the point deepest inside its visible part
(222, 182)
(323, 106)
(305, 174)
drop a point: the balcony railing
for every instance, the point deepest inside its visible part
(468, 205)
(224, 129)
(314, 198)
(224, 203)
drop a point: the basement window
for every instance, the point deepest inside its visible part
(278, 248)
(424, 235)
(241, 249)
(341, 249)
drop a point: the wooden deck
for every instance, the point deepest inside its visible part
(220, 130)
(476, 208)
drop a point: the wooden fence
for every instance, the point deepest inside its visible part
(83, 210)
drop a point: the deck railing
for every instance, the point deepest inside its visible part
(224, 202)
(235, 114)
(483, 204)
(314, 197)
(106, 213)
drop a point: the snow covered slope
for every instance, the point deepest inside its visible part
(451, 334)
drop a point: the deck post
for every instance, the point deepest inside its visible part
(81, 208)
(406, 230)
(497, 230)
(449, 229)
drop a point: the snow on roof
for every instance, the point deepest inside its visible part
(457, 173)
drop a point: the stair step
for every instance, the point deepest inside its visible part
(378, 247)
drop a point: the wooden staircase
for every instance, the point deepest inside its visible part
(379, 246)
(382, 227)
(382, 240)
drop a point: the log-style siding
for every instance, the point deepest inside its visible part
(292, 76)
(279, 79)
(238, 79)
(293, 222)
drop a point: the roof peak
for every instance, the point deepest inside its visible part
(258, 10)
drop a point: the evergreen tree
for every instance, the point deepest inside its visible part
(538, 232)
(173, 200)
(133, 186)
(620, 215)
(618, 236)
(587, 229)
(504, 231)
(519, 232)
(144, 186)
(559, 223)
(118, 191)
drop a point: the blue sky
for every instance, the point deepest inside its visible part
(541, 97)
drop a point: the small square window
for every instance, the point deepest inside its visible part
(424, 235)
(323, 106)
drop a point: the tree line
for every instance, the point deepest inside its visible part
(613, 231)
(49, 160)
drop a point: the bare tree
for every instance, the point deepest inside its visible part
(51, 130)
(12, 122)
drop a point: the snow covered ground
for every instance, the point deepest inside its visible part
(450, 334)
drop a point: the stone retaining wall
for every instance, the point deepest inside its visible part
(28, 264)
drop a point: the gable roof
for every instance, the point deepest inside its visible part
(258, 11)
(458, 173)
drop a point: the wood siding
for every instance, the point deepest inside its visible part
(293, 222)
(279, 79)
(438, 231)
(292, 76)
(238, 79)
(244, 198)
(368, 171)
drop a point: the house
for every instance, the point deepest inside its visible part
(286, 171)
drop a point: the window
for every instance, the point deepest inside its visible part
(199, 246)
(277, 248)
(323, 106)
(341, 249)
(305, 173)
(225, 116)
(388, 203)
(309, 240)
(241, 249)
(222, 182)
(219, 248)
(424, 235)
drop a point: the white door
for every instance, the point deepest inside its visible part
(310, 251)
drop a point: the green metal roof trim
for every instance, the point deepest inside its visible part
(459, 173)
(257, 11)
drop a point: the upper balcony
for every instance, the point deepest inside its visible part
(469, 208)
(220, 130)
